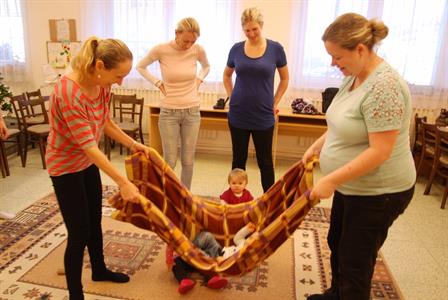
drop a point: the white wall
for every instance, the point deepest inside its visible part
(37, 14)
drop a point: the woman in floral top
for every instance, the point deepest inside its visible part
(364, 155)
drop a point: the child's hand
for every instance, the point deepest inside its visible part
(251, 226)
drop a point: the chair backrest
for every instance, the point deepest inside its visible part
(15, 101)
(418, 137)
(34, 95)
(115, 103)
(428, 136)
(131, 109)
(26, 108)
(442, 144)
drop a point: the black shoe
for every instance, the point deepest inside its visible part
(330, 294)
(111, 276)
(221, 103)
(76, 296)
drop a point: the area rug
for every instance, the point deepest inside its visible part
(33, 243)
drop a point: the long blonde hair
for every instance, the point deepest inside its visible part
(110, 51)
(351, 29)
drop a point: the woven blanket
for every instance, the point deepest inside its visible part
(168, 209)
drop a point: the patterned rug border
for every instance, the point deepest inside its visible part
(41, 221)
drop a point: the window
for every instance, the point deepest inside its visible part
(144, 24)
(413, 46)
(12, 48)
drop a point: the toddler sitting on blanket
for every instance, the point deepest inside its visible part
(208, 244)
(237, 192)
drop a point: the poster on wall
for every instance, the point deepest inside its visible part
(59, 54)
(62, 30)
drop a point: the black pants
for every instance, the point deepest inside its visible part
(79, 196)
(263, 149)
(358, 229)
(182, 270)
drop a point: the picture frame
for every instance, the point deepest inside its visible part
(62, 30)
(59, 54)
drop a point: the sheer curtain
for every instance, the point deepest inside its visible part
(144, 24)
(416, 45)
(13, 66)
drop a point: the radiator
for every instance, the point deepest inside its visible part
(152, 96)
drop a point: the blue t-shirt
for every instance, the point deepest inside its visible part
(252, 99)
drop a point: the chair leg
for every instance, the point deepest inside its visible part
(42, 151)
(25, 149)
(107, 146)
(445, 194)
(20, 149)
(420, 163)
(435, 165)
(141, 136)
(3, 162)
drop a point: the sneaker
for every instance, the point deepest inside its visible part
(185, 285)
(217, 282)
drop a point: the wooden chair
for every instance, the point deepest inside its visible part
(428, 145)
(128, 114)
(418, 138)
(33, 114)
(14, 137)
(115, 104)
(25, 112)
(440, 163)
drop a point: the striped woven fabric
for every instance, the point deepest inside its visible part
(168, 209)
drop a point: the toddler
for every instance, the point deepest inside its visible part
(236, 193)
(208, 244)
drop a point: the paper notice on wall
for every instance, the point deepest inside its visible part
(63, 30)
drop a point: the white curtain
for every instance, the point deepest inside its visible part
(416, 46)
(144, 24)
(13, 57)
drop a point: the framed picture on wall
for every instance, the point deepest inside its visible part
(59, 54)
(62, 30)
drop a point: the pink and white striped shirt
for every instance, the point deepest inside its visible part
(76, 124)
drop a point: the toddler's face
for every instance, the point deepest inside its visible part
(237, 185)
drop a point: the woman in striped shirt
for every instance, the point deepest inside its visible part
(79, 114)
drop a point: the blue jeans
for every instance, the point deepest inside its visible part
(208, 243)
(183, 123)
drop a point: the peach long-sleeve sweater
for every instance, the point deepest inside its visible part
(179, 73)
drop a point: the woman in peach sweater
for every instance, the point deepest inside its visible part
(179, 107)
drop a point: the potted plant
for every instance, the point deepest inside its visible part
(5, 94)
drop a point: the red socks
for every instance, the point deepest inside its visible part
(185, 285)
(217, 282)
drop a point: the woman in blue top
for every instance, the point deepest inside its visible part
(252, 100)
(365, 155)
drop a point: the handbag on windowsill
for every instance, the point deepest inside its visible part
(221, 103)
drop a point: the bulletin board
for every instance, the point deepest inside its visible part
(62, 30)
(59, 54)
